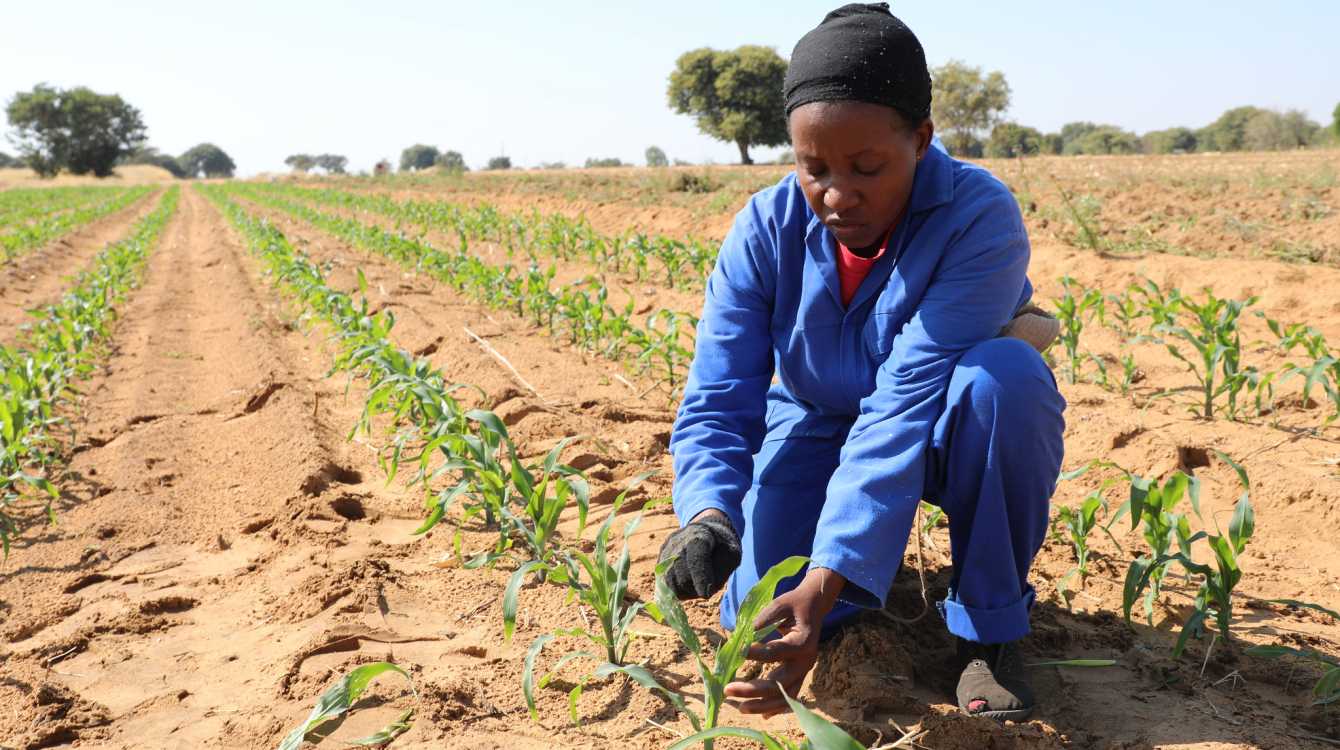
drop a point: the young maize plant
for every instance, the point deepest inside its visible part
(341, 698)
(38, 375)
(1070, 311)
(730, 656)
(1214, 335)
(28, 236)
(1151, 508)
(1214, 598)
(1325, 367)
(604, 591)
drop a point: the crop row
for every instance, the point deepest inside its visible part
(18, 206)
(37, 376)
(1205, 334)
(466, 457)
(579, 312)
(653, 258)
(29, 236)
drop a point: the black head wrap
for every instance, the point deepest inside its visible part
(860, 52)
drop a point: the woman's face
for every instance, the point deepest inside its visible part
(856, 161)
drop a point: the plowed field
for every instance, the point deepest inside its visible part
(224, 551)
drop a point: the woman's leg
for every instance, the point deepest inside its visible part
(992, 467)
(781, 513)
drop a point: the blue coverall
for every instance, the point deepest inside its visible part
(906, 394)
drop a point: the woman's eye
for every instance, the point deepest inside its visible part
(867, 172)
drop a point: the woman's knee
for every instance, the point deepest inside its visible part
(1006, 374)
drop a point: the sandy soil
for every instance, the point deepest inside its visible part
(222, 550)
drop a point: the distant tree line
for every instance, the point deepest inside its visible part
(83, 132)
(1239, 129)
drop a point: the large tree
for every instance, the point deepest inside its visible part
(208, 159)
(417, 157)
(736, 95)
(73, 129)
(965, 103)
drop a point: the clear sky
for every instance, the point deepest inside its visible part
(550, 81)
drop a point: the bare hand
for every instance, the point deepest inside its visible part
(801, 613)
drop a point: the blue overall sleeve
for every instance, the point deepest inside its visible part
(721, 420)
(872, 497)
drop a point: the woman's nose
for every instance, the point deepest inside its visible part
(840, 199)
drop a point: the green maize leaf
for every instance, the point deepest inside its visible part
(1271, 651)
(528, 673)
(1136, 576)
(768, 741)
(1326, 689)
(1081, 471)
(820, 731)
(644, 678)
(489, 420)
(1243, 525)
(666, 608)
(1195, 625)
(1296, 603)
(1076, 663)
(338, 699)
(388, 733)
(732, 653)
(510, 596)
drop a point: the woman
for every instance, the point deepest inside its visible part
(848, 365)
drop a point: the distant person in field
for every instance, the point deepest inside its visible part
(867, 342)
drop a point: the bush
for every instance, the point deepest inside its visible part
(1104, 139)
(682, 163)
(451, 161)
(656, 157)
(417, 157)
(1269, 130)
(500, 162)
(208, 159)
(1009, 140)
(1335, 121)
(1228, 133)
(551, 165)
(9, 162)
(73, 129)
(612, 162)
(1073, 130)
(688, 182)
(1171, 141)
(786, 157)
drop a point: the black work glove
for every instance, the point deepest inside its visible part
(707, 552)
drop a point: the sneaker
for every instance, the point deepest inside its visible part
(991, 681)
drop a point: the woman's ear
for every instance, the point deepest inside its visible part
(923, 136)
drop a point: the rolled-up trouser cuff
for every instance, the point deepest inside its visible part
(989, 626)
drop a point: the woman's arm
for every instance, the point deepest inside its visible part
(721, 419)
